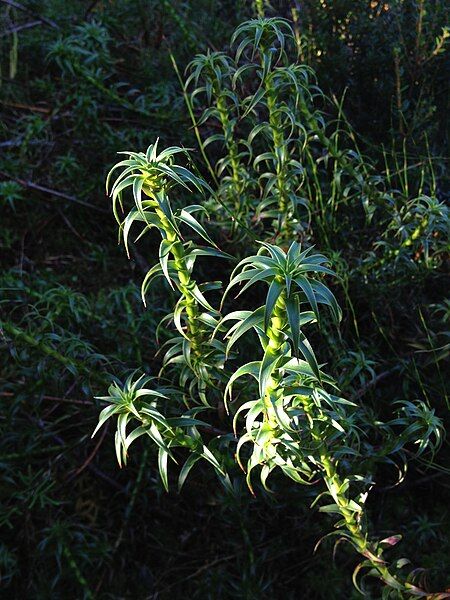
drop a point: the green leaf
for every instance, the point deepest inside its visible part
(243, 326)
(162, 465)
(164, 253)
(293, 314)
(275, 290)
(189, 220)
(105, 414)
(305, 348)
(267, 367)
(190, 462)
(308, 290)
(251, 368)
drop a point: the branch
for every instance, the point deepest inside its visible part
(20, 28)
(359, 393)
(18, 6)
(40, 188)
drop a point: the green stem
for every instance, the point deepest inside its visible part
(78, 574)
(193, 119)
(232, 150)
(24, 337)
(185, 282)
(277, 339)
(334, 484)
(281, 157)
(260, 10)
(416, 234)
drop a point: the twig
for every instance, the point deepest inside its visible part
(20, 28)
(70, 226)
(90, 8)
(91, 456)
(359, 393)
(108, 479)
(40, 188)
(26, 106)
(91, 467)
(200, 570)
(30, 12)
(52, 399)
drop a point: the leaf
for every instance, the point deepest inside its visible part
(330, 508)
(195, 291)
(199, 251)
(209, 456)
(327, 297)
(189, 220)
(308, 290)
(164, 252)
(293, 314)
(267, 367)
(305, 348)
(243, 326)
(190, 462)
(162, 465)
(251, 368)
(105, 414)
(152, 274)
(275, 290)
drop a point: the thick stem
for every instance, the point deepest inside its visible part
(334, 484)
(276, 337)
(259, 7)
(232, 150)
(280, 152)
(274, 390)
(185, 282)
(416, 234)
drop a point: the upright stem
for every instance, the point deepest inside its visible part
(232, 150)
(186, 283)
(332, 479)
(277, 339)
(280, 152)
(334, 483)
(259, 6)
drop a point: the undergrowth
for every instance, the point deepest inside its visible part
(300, 162)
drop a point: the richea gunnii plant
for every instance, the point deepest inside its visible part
(288, 417)
(292, 419)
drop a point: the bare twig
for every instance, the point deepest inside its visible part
(359, 393)
(26, 106)
(52, 399)
(17, 28)
(91, 456)
(204, 567)
(70, 226)
(40, 188)
(23, 8)
(90, 8)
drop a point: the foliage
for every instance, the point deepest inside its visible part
(328, 138)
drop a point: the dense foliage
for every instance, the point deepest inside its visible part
(282, 312)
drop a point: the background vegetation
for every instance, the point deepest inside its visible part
(82, 80)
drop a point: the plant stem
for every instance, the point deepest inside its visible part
(185, 282)
(280, 153)
(26, 338)
(232, 149)
(328, 464)
(276, 337)
(259, 7)
(334, 483)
